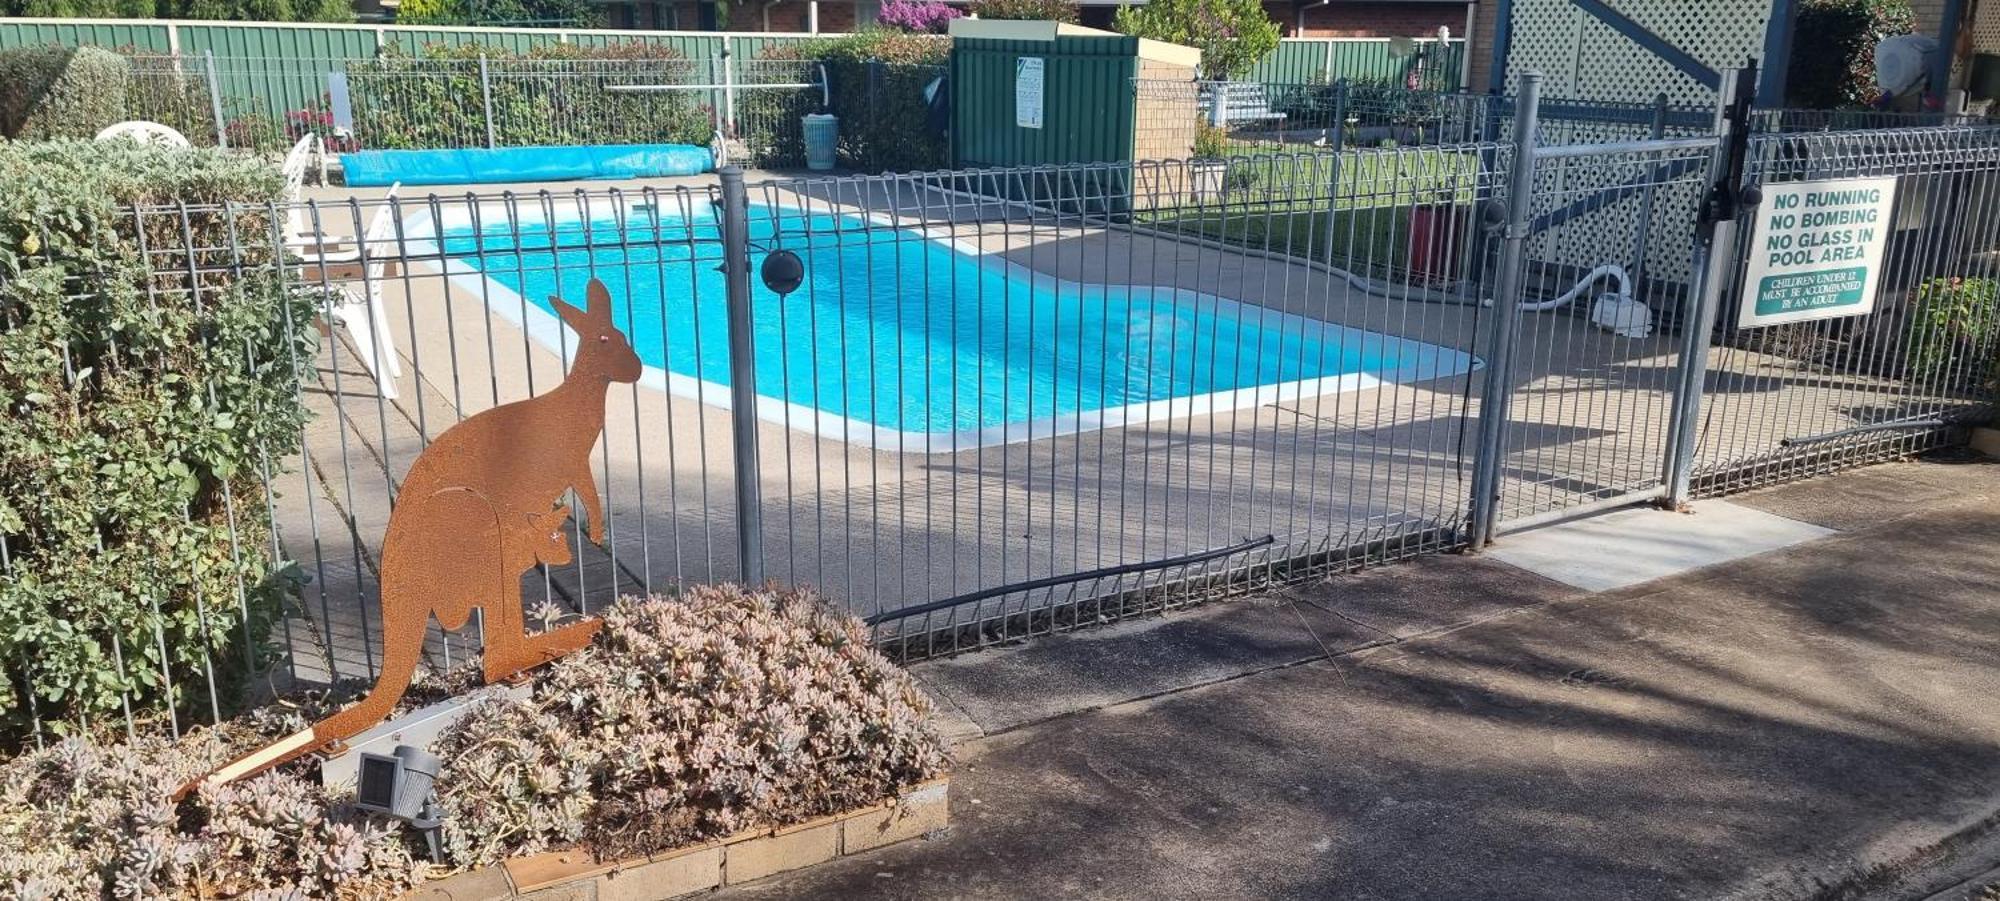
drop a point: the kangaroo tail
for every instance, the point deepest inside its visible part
(402, 648)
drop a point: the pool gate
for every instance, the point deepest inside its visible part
(990, 404)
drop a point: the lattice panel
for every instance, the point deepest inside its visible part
(1544, 40)
(1583, 58)
(1986, 27)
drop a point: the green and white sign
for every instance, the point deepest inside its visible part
(1817, 250)
(1029, 89)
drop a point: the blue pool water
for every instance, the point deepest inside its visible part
(911, 335)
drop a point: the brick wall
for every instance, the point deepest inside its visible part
(1479, 50)
(1352, 19)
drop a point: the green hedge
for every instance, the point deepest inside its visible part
(402, 102)
(1833, 50)
(145, 406)
(56, 92)
(877, 79)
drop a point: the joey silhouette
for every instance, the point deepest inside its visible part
(476, 511)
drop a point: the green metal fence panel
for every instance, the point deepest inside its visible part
(1321, 61)
(265, 72)
(523, 41)
(287, 42)
(690, 46)
(138, 35)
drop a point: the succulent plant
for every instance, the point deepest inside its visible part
(690, 717)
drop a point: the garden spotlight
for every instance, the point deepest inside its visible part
(400, 785)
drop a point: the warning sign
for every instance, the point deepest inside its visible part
(1817, 250)
(1029, 89)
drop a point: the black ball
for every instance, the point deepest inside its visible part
(783, 271)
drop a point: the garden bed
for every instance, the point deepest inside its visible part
(744, 857)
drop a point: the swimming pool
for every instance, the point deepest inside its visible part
(917, 344)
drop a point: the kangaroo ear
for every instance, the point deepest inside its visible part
(574, 317)
(600, 301)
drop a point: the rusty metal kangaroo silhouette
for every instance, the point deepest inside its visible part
(476, 511)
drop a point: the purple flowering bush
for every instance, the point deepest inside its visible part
(920, 16)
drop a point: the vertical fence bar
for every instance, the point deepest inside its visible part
(1638, 269)
(486, 99)
(742, 373)
(1498, 389)
(1715, 258)
(215, 99)
(728, 125)
(1339, 141)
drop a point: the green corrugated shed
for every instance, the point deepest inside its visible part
(1087, 97)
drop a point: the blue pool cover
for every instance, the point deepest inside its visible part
(375, 168)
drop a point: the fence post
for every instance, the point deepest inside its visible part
(486, 99)
(742, 373)
(215, 99)
(1339, 141)
(1328, 67)
(1715, 259)
(1498, 390)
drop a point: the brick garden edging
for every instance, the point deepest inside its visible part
(755, 854)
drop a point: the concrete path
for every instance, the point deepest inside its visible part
(1769, 727)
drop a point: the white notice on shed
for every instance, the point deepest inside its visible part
(1028, 89)
(1817, 250)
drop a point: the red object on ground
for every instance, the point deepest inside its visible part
(1436, 241)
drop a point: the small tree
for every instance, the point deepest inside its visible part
(1050, 10)
(1231, 34)
(1833, 52)
(920, 16)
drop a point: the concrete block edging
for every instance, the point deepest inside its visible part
(676, 872)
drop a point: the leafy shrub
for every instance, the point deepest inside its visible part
(141, 418)
(1833, 50)
(241, 10)
(1231, 34)
(55, 92)
(402, 102)
(88, 821)
(920, 16)
(1049, 10)
(878, 78)
(690, 718)
(532, 13)
(1955, 328)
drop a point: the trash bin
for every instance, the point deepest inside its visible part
(822, 131)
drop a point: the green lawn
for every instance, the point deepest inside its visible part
(1284, 205)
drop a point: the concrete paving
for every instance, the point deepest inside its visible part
(1627, 547)
(1778, 726)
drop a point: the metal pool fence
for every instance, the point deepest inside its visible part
(1002, 403)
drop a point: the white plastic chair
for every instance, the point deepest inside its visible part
(145, 133)
(299, 231)
(360, 308)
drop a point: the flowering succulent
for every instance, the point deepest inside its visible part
(87, 820)
(692, 717)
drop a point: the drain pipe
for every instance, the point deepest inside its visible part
(1299, 30)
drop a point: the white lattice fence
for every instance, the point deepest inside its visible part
(1583, 57)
